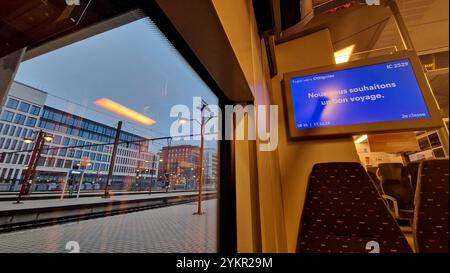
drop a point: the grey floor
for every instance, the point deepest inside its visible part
(164, 230)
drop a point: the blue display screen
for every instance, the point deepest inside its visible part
(367, 94)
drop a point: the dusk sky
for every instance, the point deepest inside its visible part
(134, 65)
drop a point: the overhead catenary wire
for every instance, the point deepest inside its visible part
(102, 144)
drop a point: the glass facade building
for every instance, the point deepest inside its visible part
(75, 140)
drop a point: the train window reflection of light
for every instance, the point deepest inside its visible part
(124, 111)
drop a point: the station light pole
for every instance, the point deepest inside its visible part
(83, 166)
(150, 175)
(167, 175)
(202, 123)
(113, 160)
(32, 164)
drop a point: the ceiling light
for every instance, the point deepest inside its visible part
(343, 55)
(361, 139)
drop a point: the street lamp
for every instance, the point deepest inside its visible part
(183, 121)
(202, 123)
(82, 167)
(42, 137)
(48, 137)
(107, 194)
(147, 171)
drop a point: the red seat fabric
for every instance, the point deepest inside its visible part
(431, 214)
(343, 211)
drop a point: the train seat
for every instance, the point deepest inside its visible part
(343, 212)
(430, 226)
(413, 170)
(397, 190)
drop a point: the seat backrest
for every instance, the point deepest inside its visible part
(372, 170)
(343, 212)
(400, 189)
(431, 214)
(413, 170)
(390, 171)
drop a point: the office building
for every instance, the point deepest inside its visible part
(210, 165)
(179, 165)
(25, 113)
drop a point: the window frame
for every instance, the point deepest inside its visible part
(9, 113)
(27, 107)
(227, 237)
(28, 120)
(16, 101)
(35, 107)
(21, 121)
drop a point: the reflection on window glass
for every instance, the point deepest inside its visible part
(100, 112)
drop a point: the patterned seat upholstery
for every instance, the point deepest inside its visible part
(431, 216)
(343, 212)
(413, 170)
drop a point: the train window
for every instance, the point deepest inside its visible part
(439, 153)
(424, 144)
(434, 140)
(113, 95)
